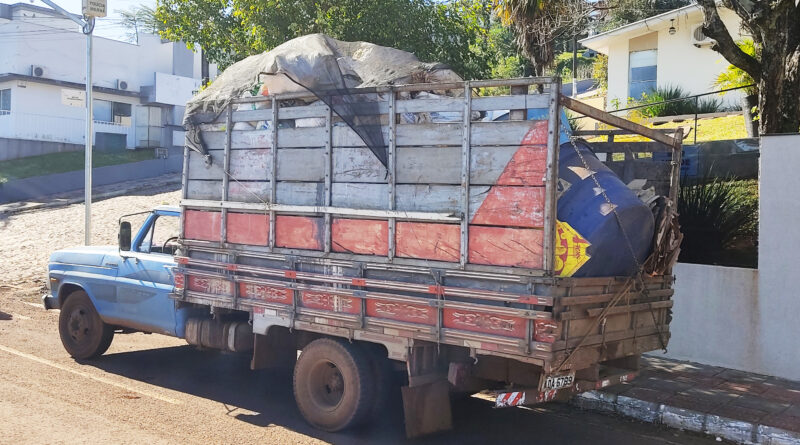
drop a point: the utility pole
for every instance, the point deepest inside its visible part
(91, 9)
(575, 66)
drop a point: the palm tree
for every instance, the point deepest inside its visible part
(735, 77)
(537, 23)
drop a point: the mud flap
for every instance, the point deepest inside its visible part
(427, 408)
(274, 351)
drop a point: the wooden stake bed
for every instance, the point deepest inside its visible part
(291, 218)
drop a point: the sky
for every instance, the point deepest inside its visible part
(108, 26)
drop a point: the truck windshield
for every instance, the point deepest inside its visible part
(162, 236)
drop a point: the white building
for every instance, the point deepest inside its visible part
(139, 89)
(667, 49)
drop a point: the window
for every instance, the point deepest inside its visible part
(163, 229)
(5, 101)
(112, 112)
(642, 78)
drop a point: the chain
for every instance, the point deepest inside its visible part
(636, 277)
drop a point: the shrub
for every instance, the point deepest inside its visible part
(714, 216)
(658, 108)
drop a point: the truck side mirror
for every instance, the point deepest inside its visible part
(124, 235)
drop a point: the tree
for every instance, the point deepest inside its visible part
(538, 23)
(775, 67)
(622, 12)
(138, 19)
(735, 77)
(229, 30)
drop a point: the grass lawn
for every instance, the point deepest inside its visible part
(714, 129)
(66, 161)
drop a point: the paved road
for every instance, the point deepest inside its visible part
(154, 389)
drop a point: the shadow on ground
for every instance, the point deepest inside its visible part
(227, 379)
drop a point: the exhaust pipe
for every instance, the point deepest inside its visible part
(234, 336)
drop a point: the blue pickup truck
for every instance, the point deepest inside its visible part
(124, 288)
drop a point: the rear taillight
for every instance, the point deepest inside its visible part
(545, 331)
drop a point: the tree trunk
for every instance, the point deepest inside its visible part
(751, 125)
(779, 98)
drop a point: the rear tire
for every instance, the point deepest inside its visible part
(333, 384)
(83, 333)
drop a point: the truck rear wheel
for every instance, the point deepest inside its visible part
(83, 333)
(333, 384)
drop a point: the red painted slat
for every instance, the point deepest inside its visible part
(270, 294)
(248, 228)
(505, 246)
(298, 232)
(201, 225)
(216, 286)
(410, 313)
(330, 302)
(493, 324)
(527, 167)
(512, 206)
(428, 241)
(364, 236)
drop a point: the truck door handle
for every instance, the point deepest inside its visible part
(111, 265)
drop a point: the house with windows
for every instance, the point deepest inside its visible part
(667, 49)
(139, 90)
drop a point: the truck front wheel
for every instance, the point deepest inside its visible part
(333, 384)
(83, 333)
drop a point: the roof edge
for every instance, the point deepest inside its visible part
(639, 24)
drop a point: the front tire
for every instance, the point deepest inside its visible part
(333, 384)
(83, 333)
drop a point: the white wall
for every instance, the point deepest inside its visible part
(37, 113)
(679, 61)
(778, 306)
(715, 316)
(749, 319)
(37, 38)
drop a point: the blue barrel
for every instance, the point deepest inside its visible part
(585, 209)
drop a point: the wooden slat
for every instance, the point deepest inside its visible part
(510, 102)
(636, 147)
(631, 308)
(300, 209)
(617, 121)
(316, 110)
(264, 114)
(501, 133)
(244, 165)
(602, 298)
(429, 105)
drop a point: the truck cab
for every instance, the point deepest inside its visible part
(102, 289)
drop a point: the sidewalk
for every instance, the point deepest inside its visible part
(733, 405)
(172, 180)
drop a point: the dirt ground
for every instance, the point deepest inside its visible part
(28, 238)
(155, 389)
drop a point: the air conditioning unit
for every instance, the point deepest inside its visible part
(700, 39)
(37, 71)
(122, 84)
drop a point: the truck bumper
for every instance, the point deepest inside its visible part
(50, 302)
(533, 396)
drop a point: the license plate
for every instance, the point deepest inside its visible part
(558, 381)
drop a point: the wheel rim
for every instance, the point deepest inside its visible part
(326, 385)
(79, 325)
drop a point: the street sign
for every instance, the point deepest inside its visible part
(73, 98)
(94, 8)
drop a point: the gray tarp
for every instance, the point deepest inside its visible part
(328, 68)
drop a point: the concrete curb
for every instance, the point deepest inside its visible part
(684, 419)
(9, 209)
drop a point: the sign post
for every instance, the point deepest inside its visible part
(91, 9)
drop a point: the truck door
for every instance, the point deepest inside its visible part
(145, 278)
